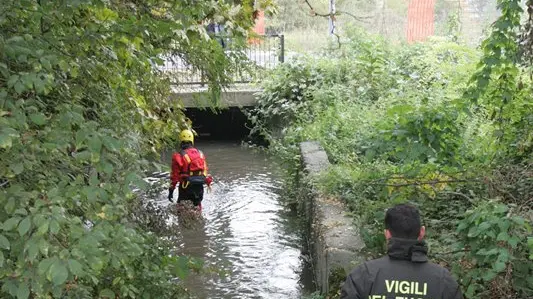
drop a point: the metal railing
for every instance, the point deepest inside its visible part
(264, 52)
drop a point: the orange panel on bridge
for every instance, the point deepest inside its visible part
(420, 20)
(259, 27)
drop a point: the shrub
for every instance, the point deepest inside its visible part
(397, 124)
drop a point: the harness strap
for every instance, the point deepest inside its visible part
(200, 172)
(204, 172)
(187, 158)
(185, 184)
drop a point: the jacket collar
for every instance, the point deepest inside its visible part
(407, 249)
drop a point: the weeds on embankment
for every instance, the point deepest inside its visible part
(405, 124)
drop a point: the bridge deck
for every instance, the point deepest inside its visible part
(238, 95)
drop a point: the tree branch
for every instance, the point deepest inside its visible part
(337, 13)
(314, 12)
(329, 15)
(453, 251)
(360, 19)
(458, 194)
(433, 182)
(4, 183)
(338, 40)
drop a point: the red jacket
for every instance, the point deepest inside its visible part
(179, 170)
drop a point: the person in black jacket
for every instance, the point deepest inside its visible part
(405, 272)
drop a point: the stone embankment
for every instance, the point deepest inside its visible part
(333, 240)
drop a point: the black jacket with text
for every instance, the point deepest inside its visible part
(404, 274)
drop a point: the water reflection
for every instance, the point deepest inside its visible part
(246, 234)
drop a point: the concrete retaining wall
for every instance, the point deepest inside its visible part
(333, 241)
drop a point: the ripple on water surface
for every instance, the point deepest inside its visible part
(246, 232)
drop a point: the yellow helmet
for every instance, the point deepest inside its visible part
(186, 135)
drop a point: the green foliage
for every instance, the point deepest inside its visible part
(425, 134)
(496, 244)
(500, 56)
(315, 295)
(499, 85)
(82, 104)
(402, 124)
(288, 89)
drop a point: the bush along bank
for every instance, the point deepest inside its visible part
(403, 124)
(83, 110)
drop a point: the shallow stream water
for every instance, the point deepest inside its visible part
(247, 233)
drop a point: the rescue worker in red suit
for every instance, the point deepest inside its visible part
(189, 170)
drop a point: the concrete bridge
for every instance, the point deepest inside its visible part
(229, 120)
(190, 87)
(242, 95)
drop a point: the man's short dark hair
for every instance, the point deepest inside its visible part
(403, 221)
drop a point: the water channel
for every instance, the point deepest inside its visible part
(247, 232)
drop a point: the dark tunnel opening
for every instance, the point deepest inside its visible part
(223, 124)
